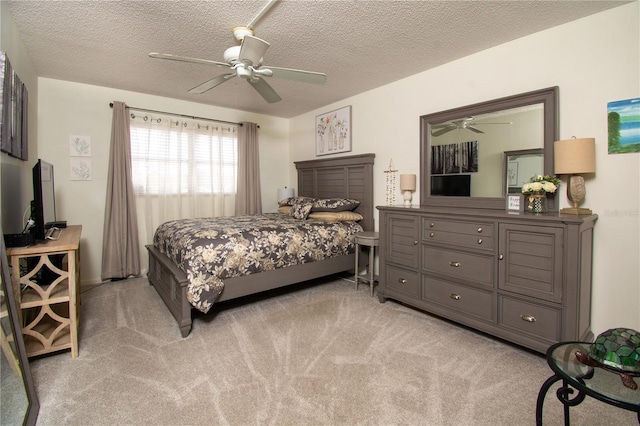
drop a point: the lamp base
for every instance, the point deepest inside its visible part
(407, 198)
(576, 211)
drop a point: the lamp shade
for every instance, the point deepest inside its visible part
(407, 182)
(575, 156)
(284, 193)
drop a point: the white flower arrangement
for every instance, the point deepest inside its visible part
(541, 185)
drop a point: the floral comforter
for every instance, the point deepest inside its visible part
(209, 250)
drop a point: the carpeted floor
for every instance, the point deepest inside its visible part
(316, 355)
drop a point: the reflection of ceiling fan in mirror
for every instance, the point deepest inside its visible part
(465, 123)
(245, 61)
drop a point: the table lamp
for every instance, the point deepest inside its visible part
(284, 193)
(407, 185)
(574, 157)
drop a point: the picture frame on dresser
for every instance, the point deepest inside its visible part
(515, 203)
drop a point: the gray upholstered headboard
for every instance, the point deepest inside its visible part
(340, 177)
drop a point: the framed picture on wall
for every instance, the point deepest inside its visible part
(13, 111)
(333, 131)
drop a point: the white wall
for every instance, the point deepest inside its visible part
(67, 108)
(15, 177)
(594, 60)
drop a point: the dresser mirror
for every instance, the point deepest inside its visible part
(465, 152)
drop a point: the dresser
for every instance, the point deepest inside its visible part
(520, 277)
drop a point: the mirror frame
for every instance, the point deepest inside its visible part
(33, 408)
(548, 97)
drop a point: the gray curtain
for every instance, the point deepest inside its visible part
(120, 248)
(248, 195)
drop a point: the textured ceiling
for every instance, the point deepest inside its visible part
(360, 45)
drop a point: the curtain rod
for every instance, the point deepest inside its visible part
(181, 115)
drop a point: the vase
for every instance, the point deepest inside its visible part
(537, 203)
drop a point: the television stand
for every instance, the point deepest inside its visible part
(47, 292)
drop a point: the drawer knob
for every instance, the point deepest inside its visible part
(528, 318)
(479, 230)
(455, 296)
(431, 234)
(455, 264)
(402, 280)
(500, 257)
(479, 240)
(415, 242)
(431, 225)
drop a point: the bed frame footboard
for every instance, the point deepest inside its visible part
(171, 284)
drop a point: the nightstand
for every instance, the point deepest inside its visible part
(369, 239)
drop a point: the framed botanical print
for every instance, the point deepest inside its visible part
(333, 131)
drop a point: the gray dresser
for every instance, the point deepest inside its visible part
(523, 278)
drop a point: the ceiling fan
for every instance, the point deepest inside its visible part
(245, 61)
(465, 123)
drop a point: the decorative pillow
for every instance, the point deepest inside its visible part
(289, 201)
(334, 205)
(285, 210)
(301, 209)
(335, 216)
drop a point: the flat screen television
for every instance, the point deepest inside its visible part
(451, 185)
(43, 206)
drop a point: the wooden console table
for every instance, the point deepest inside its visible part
(46, 279)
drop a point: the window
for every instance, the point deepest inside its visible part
(171, 157)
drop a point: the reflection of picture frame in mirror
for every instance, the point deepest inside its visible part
(512, 173)
(437, 160)
(452, 158)
(469, 156)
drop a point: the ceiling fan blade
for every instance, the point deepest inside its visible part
(252, 50)
(298, 75)
(187, 59)
(266, 91)
(482, 124)
(442, 131)
(473, 129)
(210, 84)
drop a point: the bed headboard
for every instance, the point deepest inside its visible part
(340, 177)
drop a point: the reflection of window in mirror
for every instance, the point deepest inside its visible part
(492, 133)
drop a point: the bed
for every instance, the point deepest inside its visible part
(341, 177)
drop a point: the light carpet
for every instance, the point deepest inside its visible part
(321, 354)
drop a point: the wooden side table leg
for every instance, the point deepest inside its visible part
(370, 267)
(73, 314)
(356, 273)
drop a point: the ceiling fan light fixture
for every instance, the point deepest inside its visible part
(244, 72)
(231, 54)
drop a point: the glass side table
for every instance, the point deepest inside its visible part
(596, 382)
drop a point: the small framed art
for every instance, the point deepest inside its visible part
(515, 203)
(333, 131)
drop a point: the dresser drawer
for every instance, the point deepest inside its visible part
(530, 318)
(475, 268)
(402, 280)
(469, 301)
(473, 235)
